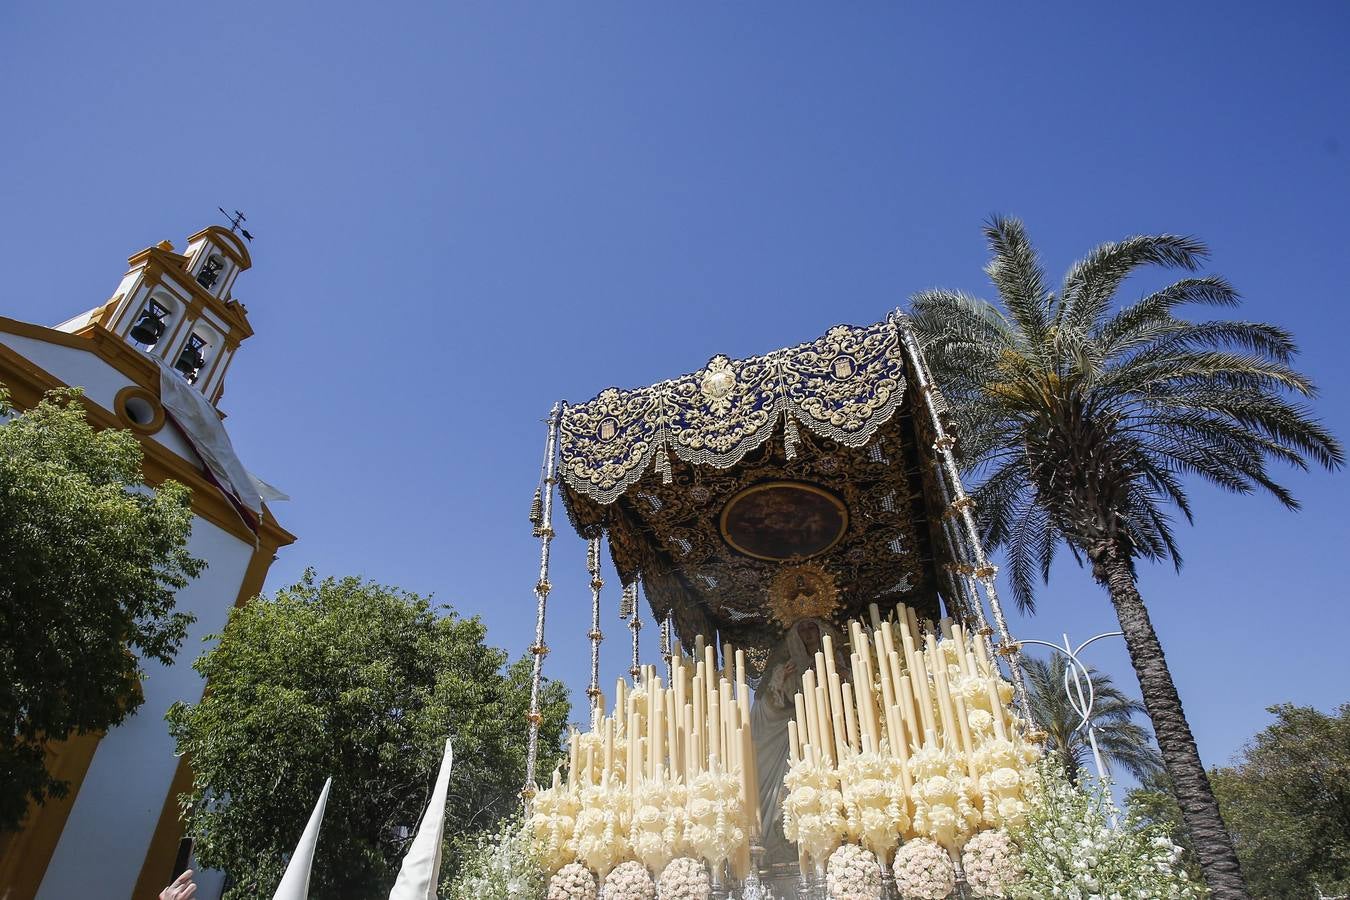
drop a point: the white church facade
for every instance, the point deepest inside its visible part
(153, 359)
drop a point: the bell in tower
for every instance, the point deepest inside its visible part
(149, 328)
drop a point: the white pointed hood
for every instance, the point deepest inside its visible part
(295, 883)
(422, 864)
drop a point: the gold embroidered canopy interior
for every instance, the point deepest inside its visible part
(758, 490)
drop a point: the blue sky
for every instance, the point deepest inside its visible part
(466, 211)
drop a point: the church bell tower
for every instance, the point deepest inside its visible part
(152, 360)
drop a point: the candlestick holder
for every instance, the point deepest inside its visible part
(803, 887)
(962, 890)
(888, 889)
(752, 888)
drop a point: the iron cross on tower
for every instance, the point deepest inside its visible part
(236, 222)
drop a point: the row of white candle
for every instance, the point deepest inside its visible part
(698, 723)
(899, 698)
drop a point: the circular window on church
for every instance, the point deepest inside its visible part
(781, 520)
(138, 409)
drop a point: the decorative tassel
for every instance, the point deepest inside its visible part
(628, 601)
(537, 511)
(791, 436)
(663, 465)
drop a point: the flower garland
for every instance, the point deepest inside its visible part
(572, 882)
(924, 871)
(853, 874)
(684, 879)
(991, 863)
(629, 881)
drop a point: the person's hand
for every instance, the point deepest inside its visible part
(183, 888)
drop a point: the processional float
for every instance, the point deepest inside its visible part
(830, 699)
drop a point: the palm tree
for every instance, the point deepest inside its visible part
(1081, 424)
(1120, 739)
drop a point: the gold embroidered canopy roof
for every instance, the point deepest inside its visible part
(737, 533)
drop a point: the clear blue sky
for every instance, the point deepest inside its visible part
(465, 211)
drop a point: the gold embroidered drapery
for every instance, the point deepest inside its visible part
(655, 469)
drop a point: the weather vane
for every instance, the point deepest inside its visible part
(236, 222)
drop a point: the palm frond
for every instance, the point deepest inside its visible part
(1086, 424)
(1092, 282)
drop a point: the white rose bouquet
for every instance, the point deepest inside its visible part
(924, 871)
(1068, 848)
(684, 879)
(572, 882)
(991, 862)
(629, 881)
(853, 873)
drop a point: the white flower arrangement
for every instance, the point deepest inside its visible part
(1069, 849)
(684, 878)
(991, 863)
(924, 871)
(572, 882)
(813, 809)
(650, 832)
(602, 826)
(715, 826)
(553, 824)
(629, 881)
(853, 873)
(500, 864)
(942, 794)
(876, 810)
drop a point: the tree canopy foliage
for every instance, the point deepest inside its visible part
(1083, 421)
(363, 682)
(90, 562)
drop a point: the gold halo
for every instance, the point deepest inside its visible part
(804, 591)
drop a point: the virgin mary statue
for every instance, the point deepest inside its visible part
(769, 717)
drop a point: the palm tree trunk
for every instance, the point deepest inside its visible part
(1199, 809)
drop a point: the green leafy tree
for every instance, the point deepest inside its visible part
(1154, 803)
(1287, 801)
(1080, 424)
(362, 682)
(90, 561)
(1121, 740)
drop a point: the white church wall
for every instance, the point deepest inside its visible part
(102, 848)
(77, 368)
(101, 382)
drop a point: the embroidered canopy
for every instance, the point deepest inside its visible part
(757, 490)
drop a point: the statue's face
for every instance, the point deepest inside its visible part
(809, 632)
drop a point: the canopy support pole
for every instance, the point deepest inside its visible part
(593, 692)
(959, 507)
(541, 589)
